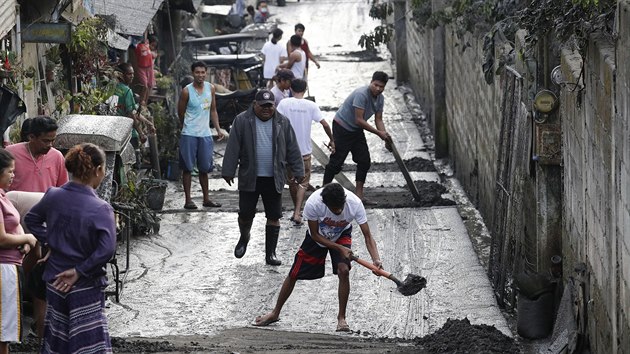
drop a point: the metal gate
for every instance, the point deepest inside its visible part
(512, 171)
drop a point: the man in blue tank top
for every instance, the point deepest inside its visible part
(196, 106)
(348, 126)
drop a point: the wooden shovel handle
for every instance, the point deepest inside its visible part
(372, 267)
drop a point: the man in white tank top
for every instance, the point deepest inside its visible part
(297, 58)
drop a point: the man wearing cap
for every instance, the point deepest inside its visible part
(283, 83)
(262, 145)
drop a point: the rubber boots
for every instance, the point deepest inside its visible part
(241, 246)
(271, 241)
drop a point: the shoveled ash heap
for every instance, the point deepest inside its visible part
(459, 336)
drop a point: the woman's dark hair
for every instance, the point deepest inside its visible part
(333, 195)
(5, 159)
(83, 159)
(41, 124)
(124, 67)
(380, 76)
(198, 64)
(25, 130)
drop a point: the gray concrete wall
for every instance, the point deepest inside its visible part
(596, 157)
(474, 121)
(621, 162)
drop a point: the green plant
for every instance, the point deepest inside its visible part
(566, 21)
(166, 128)
(133, 194)
(164, 83)
(88, 48)
(380, 34)
(91, 100)
(53, 57)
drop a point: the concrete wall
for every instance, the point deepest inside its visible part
(472, 108)
(596, 157)
(621, 161)
(474, 121)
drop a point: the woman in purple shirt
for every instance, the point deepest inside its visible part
(80, 232)
(14, 243)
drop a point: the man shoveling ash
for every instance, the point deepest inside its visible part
(330, 212)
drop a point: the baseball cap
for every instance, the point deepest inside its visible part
(265, 96)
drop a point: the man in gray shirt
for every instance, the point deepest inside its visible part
(348, 126)
(262, 145)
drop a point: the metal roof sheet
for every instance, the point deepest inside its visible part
(7, 16)
(132, 17)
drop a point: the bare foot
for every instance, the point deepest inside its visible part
(342, 325)
(265, 320)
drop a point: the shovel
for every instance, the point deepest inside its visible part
(405, 172)
(411, 286)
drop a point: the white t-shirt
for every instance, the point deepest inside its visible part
(331, 226)
(272, 53)
(279, 95)
(301, 113)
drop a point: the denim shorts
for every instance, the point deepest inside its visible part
(195, 150)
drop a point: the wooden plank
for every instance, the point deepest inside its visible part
(321, 156)
(405, 172)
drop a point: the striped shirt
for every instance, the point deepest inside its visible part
(264, 148)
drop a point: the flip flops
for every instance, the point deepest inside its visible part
(190, 206)
(211, 204)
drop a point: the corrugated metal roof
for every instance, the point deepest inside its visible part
(132, 17)
(7, 16)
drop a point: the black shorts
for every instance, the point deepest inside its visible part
(272, 200)
(309, 262)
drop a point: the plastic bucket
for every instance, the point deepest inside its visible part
(535, 316)
(155, 193)
(172, 170)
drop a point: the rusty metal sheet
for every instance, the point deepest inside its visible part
(549, 144)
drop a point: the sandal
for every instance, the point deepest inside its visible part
(190, 205)
(211, 204)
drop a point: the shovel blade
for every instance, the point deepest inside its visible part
(412, 285)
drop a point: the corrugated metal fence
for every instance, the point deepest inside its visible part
(7, 16)
(512, 171)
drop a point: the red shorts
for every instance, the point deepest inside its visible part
(146, 77)
(310, 260)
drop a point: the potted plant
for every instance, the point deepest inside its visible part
(163, 84)
(134, 194)
(167, 131)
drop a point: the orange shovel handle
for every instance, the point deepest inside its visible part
(372, 267)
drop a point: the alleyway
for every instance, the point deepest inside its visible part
(185, 284)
